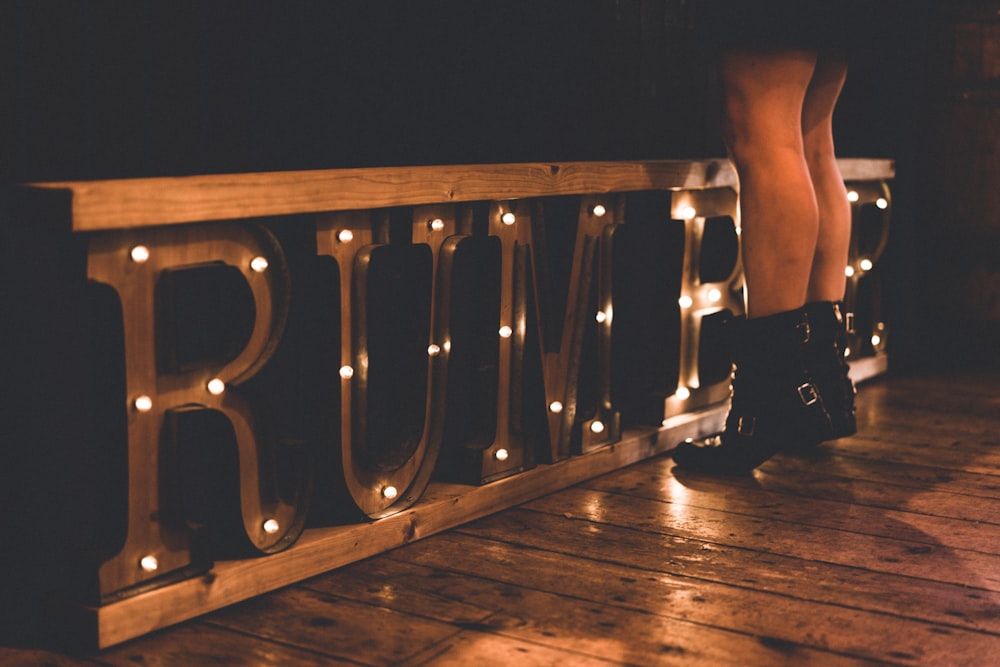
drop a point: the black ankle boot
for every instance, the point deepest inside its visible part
(828, 366)
(775, 404)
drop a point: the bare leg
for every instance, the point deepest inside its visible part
(762, 125)
(827, 280)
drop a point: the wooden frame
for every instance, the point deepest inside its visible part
(100, 208)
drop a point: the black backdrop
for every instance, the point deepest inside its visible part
(108, 88)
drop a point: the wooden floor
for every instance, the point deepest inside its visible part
(883, 548)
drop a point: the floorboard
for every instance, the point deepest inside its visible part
(879, 549)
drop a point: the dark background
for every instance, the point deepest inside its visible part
(109, 89)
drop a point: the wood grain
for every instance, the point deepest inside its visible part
(141, 202)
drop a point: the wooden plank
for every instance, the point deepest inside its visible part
(202, 644)
(323, 549)
(128, 203)
(767, 534)
(579, 569)
(836, 506)
(943, 490)
(600, 629)
(335, 627)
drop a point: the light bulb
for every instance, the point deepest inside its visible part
(345, 236)
(852, 195)
(599, 210)
(882, 203)
(437, 224)
(216, 386)
(555, 407)
(848, 271)
(688, 213)
(685, 301)
(876, 339)
(389, 492)
(683, 393)
(601, 316)
(139, 254)
(271, 526)
(143, 403)
(597, 427)
(508, 218)
(259, 264)
(865, 264)
(714, 295)
(346, 372)
(501, 455)
(505, 331)
(433, 350)
(149, 563)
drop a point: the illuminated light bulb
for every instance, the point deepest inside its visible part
(865, 264)
(216, 386)
(876, 339)
(436, 225)
(505, 331)
(714, 295)
(259, 264)
(601, 316)
(389, 492)
(149, 563)
(880, 326)
(345, 236)
(599, 210)
(882, 203)
(271, 526)
(501, 455)
(848, 271)
(685, 301)
(139, 254)
(508, 218)
(143, 403)
(556, 407)
(847, 351)
(688, 212)
(597, 427)
(852, 195)
(346, 372)
(683, 393)
(433, 350)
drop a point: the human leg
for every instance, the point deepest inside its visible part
(825, 353)
(764, 93)
(775, 404)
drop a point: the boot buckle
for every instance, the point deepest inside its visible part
(746, 425)
(808, 393)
